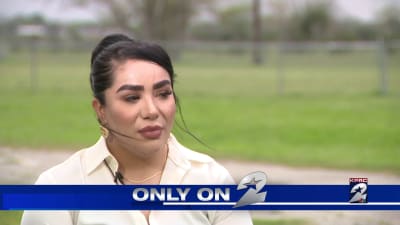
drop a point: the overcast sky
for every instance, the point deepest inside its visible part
(61, 11)
(51, 9)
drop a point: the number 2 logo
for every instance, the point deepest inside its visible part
(359, 190)
(259, 179)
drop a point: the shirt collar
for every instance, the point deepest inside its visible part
(177, 164)
(175, 153)
(96, 154)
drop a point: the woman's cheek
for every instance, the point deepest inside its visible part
(171, 111)
(123, 114)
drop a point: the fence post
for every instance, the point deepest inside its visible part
(257, 58)
(280, 70)
(33, 63)
(382, 58)
(33, 32)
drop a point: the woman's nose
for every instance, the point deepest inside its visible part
(149, 109)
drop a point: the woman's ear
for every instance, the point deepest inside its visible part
(99, 109)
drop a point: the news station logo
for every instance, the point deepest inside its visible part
(254, 184)
(358, 190)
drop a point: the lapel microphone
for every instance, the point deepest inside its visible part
(118, 178)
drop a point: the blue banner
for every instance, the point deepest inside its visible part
(197, 197)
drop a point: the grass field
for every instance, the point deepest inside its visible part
(331, 113)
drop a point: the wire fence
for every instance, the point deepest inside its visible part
(288, 67)
(308, 67)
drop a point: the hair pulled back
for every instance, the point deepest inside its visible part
(114, 50)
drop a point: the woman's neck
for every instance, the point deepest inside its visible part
(136, 168)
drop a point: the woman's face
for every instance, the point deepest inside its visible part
(140, 104)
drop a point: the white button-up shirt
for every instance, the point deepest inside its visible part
(183, 166)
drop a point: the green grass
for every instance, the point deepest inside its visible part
(330, 114)
(10, 217)
(351, 132)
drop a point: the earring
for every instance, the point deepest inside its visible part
(104, 132)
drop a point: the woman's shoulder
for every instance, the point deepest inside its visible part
(202, 167)
(77, 167)
(177, 150)
(66, 172)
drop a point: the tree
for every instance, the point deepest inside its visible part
(152, 19)
(389, 22)
(348, 29)
(231, 24)
(313, 21)
(277, 22)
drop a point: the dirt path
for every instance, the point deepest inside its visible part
(34, 161)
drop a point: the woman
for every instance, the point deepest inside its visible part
(135, 104)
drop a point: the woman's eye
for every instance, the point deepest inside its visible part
(165, 94)
(132, 98)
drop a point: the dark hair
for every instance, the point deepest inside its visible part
(115, 49)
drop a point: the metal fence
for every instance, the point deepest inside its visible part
(323, 67)
(289, 67)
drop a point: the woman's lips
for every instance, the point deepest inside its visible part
(151, 132)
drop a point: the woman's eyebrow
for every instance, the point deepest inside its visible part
(161, 84)
(130, 87)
